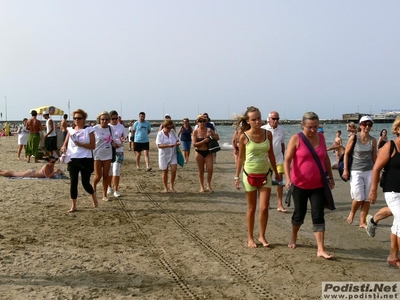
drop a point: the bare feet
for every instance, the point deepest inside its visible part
(95, 202)
(72, 209)
(251, 244)
(210, 190)
(292, 245)
(350, 219)
(165, 191)
(105, 198)
(172, 190)
(264, 242)
(201, 191)
(282, 209)
(363, 225)
(324, 254)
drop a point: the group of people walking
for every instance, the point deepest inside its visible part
(308, 173)
(260, 154)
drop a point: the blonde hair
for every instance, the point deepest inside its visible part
(80, 111)
(167, 122)
(310, 116)
(241, 122)
(395, 126)
(104, 113)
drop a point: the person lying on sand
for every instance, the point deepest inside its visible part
(47, 171)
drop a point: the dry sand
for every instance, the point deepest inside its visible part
(149, 245)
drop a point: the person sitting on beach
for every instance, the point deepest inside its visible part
(47, 171)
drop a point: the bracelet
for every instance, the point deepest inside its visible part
(236, 178)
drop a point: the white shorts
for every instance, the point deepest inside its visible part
(393, 202)
(115, 169)
(360, 184)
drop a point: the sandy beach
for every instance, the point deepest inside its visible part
(150, 245)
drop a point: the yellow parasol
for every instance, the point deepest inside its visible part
(52, 110)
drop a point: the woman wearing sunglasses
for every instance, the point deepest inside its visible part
(360, 174)
(118, 139)
(47, 171)
(203, 156)
(103, 151)
(166, 141)
(78, 146)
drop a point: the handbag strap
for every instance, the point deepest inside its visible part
(109, 128)
(269, 171)
(314, 154)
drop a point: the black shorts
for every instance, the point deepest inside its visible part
(50, 143)
(139, 147)
(132, 139)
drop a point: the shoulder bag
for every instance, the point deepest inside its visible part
(329, 203)
(213, 145)
(114, 151)
(179, 156)
(350, 160)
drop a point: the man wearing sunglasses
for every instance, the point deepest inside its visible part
(278, 138)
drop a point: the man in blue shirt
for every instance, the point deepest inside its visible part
(141, 130)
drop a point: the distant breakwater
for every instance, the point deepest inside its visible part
(157, 123)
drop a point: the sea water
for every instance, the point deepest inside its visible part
(226, 133)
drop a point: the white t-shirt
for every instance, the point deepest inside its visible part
(166, 156)
(118, 133)
(82, 136)
(53, 133)
(278, 138)
(103, 150)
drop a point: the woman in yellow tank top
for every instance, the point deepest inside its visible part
(256, 157)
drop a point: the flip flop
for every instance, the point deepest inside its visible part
(394, 263)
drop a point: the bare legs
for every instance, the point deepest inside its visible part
(19, 151)
(146, 159)
(251, 197)
(27, 173)
(101, 169)
(394, 247)
(165, 179)
(186, 155)
(320, 238)
(363, 212)
(208, 161)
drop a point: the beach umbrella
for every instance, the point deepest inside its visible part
(52, 110)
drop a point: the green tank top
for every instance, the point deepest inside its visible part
(257, 160)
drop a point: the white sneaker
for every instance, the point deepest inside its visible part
(109, 190)
(117, 194)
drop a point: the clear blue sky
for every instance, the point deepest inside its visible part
(186, 57)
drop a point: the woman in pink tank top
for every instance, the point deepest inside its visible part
(307, 182)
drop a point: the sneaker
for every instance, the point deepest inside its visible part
(109, 190)
(148, 169)
(370, 226)
(117, 194)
